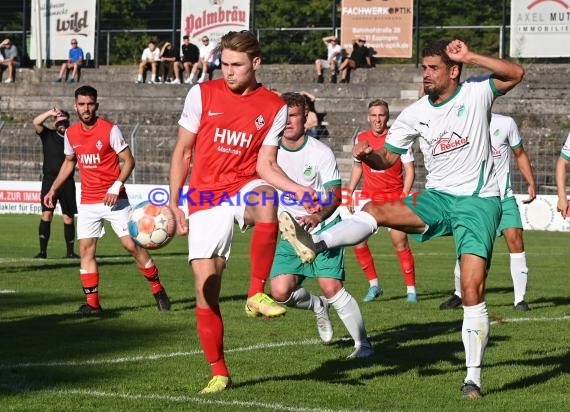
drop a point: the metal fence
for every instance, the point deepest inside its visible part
(152, 145)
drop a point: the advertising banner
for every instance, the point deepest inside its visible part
(386, 25)
(540, 28)
(212, 18)
(54, 27)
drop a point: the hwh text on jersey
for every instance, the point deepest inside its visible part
(89, 160)
(232, 137)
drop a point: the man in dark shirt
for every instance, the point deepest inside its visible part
(360, 57)
(53, 156)
(169, 68)
(190, 56)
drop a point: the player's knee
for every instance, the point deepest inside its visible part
(280, 292)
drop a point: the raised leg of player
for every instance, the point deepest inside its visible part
(348, 232)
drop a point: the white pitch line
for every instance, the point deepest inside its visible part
(127, 359)
(194, 400)
(515, 320)
(6, 291)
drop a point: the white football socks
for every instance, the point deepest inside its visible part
(457, 273)
(519, 273)
(475, 335)
(301, 298)
(349, 312)
(349, 232)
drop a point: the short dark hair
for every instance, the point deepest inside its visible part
(185, 37)
(295, 99)
(438, 48)
(63, 113)
(86, 91)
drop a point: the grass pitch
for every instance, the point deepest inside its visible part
(136, 358)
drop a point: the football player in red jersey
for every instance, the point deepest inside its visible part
(97, 147)
(232, 127)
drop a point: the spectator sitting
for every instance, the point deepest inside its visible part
(189, 57)
(149, 61)
(74, 61)
(169, 69)
(8, 59)
(313, 125)
(209, 60)
(359, 58)
(334, 57)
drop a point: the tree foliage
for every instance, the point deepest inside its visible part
(290, 31)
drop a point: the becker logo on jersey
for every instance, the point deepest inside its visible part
(449, 144)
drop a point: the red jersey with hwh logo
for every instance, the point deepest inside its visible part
(385, 181)
(96, 151)
(230, 130)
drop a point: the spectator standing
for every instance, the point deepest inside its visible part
(10, 59)
(388, 185)
(105, 163)
(74, 62)
(189, 56)
(53, 157)
(333, 61)
(150, 60)
(169, 68)
(359, 58)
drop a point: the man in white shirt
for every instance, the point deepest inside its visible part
(334, 57)
(149, 60)
(209, 60)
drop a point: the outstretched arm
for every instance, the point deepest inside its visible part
(506, 75)
(380, 159)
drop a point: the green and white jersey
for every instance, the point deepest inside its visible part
(314, 165)
(565, 153)
(505, 138)
(454, 139)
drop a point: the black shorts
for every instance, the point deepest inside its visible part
(65, 196)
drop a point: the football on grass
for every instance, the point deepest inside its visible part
(151, 226)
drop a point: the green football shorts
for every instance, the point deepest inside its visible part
(328, 264)
(511, 217)
(472, 220)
